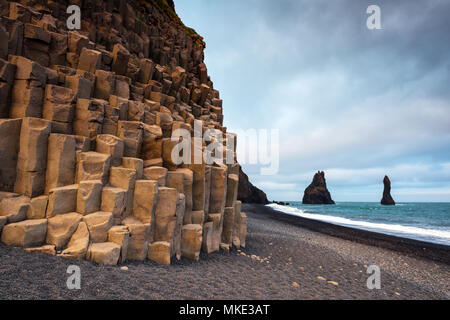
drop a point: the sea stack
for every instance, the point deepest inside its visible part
(387, 198)
(317, 192)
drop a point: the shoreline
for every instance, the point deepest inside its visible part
(428, 250)
(282, 260)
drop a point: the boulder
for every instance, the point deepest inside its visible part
(98, 224)
(28, 233)
(61, 228)
(107, 253)
(317, 192)
(78, 244)
(159, 252)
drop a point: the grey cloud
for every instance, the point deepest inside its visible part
(344, 97)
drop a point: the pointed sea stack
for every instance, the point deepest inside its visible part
(387, 198)
(317, 192)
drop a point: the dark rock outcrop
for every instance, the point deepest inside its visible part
(387, 198)
(248, 193)
(317, 192)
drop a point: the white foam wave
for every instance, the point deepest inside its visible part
(380, 227)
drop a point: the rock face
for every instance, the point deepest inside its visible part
(387, 198)
(86, 121)
(317, 192)
(248, 193)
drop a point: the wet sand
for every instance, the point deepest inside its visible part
(286, 258)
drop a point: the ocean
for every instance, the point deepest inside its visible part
(428, 222)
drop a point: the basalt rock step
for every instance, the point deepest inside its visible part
(317, 192)
(86, 120)
(387, 198)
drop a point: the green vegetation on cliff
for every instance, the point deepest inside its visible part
(167, 7)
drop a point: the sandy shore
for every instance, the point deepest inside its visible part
(280, 250)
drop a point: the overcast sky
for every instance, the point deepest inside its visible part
(354, 102)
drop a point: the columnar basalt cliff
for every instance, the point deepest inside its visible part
(387, 199)
(85, 135)
(317, 192)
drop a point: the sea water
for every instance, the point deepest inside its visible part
(420, 221)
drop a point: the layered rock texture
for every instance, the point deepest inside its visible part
(317, 192)
(85, 135)
(248, 193)
(387, 198)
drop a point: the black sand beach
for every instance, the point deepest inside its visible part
(286, 258)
